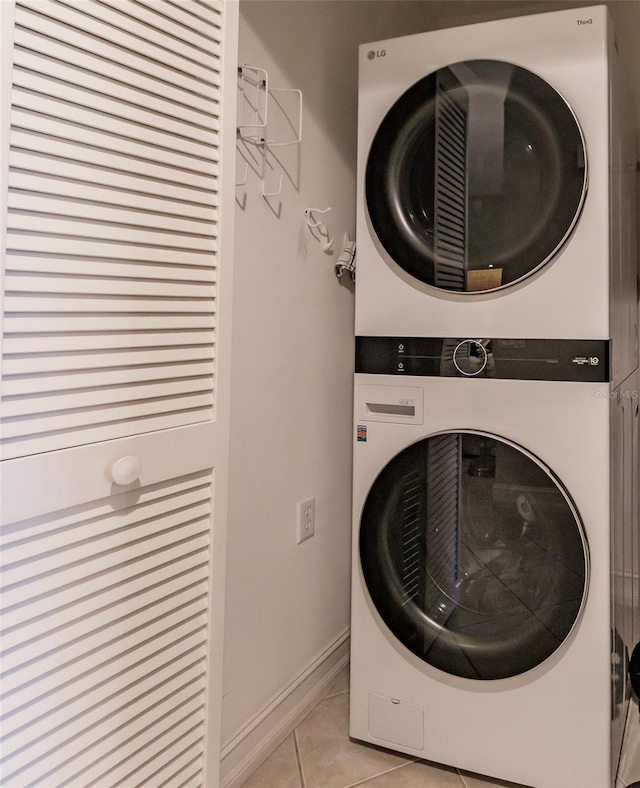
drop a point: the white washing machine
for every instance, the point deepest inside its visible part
(494, 165)
(494, 576)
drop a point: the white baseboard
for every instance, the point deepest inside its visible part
(267, 729)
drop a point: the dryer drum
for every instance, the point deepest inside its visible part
(481, 576)
(476, 176)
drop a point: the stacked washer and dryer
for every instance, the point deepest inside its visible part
(495, 552)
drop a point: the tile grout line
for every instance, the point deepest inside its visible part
(622, 780)
(461, 776)
(380, 774)
(365, 781)
(298, 760)
(295, 740)
(334, 694)
(463, 782)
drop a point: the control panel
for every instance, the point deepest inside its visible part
(584, 360)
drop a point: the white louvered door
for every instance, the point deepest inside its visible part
(116, 277)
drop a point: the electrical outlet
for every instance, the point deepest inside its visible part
(305, 523)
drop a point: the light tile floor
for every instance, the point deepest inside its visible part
(319, 754)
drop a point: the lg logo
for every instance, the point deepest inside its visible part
(373, 54)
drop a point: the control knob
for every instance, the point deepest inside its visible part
(470, 357)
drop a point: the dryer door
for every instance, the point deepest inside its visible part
(474, 555)
(476, 176)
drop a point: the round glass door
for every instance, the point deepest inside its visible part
(473, 555)
(476, 176)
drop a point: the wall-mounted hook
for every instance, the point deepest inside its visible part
(321, 233)
(275, 193)
(265, 192)
(311, 222)
(245, 177)
(254, 82)
(297, 128)
(255, 97)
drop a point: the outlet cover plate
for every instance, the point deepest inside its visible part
(306, 519)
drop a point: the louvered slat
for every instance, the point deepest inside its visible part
(38, 115)
(99, 379)
(186, 771)
(49, 689)
(443, 518)
(107, 286)
(99, 702)
(450, 243)
(120, 269)
(76, 226)
(164, 34)
(54, 214)
(112, 230)
(52, 343)
(90, 103)
(58, 245)
(119, 179)
(65, 638)
(413, 535)
(153, 205)
(116, 157)
(40, 14)
(66, 46)
(70, 362)
(166, 747)
(189, 15)
(104, 644)
(184, 27)
(85, 692)
(50, 38)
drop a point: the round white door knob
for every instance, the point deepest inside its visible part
(126, 470)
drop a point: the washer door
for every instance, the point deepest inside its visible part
(476, 176)
(473, 555)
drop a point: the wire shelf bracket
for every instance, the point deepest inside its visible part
(255, 98)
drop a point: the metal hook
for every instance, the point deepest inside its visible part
(245, 177)
(266, 193)
(310, 220)
(312, 224)
(278, 191)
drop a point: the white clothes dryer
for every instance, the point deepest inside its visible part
(494, 165)
(495, 506)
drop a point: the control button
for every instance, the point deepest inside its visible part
(470, 357)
